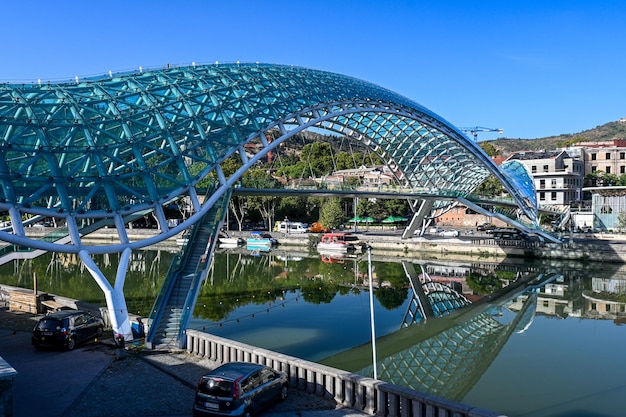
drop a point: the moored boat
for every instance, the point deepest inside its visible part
(224, 239)
(260, 239)
(338, 242)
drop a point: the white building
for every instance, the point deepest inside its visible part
(558, 175)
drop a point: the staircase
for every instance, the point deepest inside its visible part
(177, 297)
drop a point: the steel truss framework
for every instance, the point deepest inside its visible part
(105, 150)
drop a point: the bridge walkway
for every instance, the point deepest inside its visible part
(177, 298)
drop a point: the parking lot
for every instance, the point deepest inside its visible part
(96, 379)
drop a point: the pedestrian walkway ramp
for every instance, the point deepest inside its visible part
(174, 305)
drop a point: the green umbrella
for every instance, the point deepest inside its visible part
(355, 219)
(367, 220)
(394, 219)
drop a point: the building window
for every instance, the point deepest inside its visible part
(608, 155)
(545, 168)
(622, 169)
(593, 306)
(622, 155)
(533, 169)
(542, 196)
(542, 184)
(593, 156)
(593, 169)
(553, 182)
(608, 170)
(553, 195)
(608, 308)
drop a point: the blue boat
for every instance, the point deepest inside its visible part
(260, 239)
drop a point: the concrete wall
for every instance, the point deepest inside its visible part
(603, 248)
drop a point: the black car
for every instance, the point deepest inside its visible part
(485, 227)
(66, 328)
(238, 389)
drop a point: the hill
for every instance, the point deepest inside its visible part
(605, 132)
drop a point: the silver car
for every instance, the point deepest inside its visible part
(239, 389)
(449, 233)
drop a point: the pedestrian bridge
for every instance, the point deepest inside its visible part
(104, 150)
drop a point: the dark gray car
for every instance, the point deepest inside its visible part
(66, 328)
(239, 389)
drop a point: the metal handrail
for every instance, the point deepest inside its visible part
(156, 313)
(202, 268)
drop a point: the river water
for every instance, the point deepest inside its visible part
(518, 337)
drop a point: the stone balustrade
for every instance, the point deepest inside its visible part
(370, 396)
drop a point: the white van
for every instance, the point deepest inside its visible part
(292, 227)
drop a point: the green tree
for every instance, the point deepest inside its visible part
(396, 207)
(345, 161)
(331, 214)
(489, 149)
(264, 205)
(318, 156)
(491, 187)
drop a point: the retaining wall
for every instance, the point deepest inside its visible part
(374, 397)
(599, 248)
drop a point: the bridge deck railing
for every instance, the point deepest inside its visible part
(351, 390)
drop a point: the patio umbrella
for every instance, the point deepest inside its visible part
(367, 220)
(393, 219)
(355, 219)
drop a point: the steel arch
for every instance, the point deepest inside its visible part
(106, 148)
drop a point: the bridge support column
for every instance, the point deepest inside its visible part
(418, 218)
(116, 303)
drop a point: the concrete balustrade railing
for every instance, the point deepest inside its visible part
(348, 389)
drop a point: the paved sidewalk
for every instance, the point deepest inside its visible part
(95, 380)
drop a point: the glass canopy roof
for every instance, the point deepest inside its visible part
(110, 147)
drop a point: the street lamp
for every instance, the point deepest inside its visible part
(369, 261)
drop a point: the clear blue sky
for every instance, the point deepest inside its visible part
(532, 68)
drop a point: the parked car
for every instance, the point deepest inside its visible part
(238, 389)
(485, 227)
(66, 328)
(435, 230)
(449, 233)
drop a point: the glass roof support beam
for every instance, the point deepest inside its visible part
(114, 295)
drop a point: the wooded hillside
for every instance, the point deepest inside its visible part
(605, 132)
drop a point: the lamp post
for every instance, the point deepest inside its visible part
(369, 261)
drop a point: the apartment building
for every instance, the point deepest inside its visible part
(558, 175)
(608, 157)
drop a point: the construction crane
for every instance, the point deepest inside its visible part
(476, 129)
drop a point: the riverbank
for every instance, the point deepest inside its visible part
(597, 248)
(388, 242)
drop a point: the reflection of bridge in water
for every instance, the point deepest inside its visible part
(445, 342)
